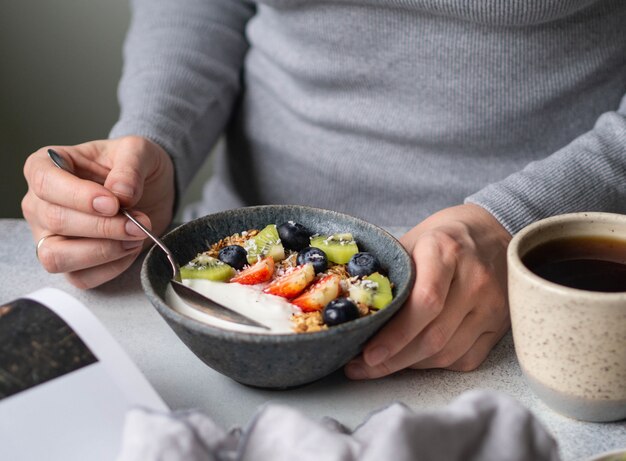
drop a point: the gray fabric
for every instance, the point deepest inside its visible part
(388, 110)
(479, 425)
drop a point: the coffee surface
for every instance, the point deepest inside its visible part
(586, 263)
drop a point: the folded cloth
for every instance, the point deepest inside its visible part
(478, 425)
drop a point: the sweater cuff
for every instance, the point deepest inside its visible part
(586, 175)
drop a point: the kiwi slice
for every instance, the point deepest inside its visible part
(265, 243)
(374, 291)
(339, 248)
(207, 267)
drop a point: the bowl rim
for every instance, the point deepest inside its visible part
(257, 337)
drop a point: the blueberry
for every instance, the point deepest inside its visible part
(314, 256)
(362, 264)
(340, 310)
(234, 256)
(293, 235)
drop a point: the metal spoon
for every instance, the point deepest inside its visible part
(190, 296)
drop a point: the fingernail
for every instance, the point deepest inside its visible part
(123, 189)
(132, 229)
(105, 205)
(353, 371)
(376, 356)
(131, 244)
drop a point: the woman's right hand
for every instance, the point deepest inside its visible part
(88, 240)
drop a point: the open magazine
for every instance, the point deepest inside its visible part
(65, 383)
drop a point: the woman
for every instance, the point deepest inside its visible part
(462, 122)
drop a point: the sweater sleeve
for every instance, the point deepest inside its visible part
(181, 75)
(589, 174)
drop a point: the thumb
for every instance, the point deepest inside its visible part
(126, 179)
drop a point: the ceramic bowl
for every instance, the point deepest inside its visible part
(275, 360)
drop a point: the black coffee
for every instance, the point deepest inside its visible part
(586, 263)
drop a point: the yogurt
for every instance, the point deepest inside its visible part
(249, 300)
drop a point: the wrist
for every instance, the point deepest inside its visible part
(487, 226)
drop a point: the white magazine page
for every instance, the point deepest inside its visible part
(65, 383)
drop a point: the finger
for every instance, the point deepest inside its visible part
(30, 204)
(434, 341)
(435, 265)
(95, 276)
(465, 339)
(54, 185)
(473, 327)
(474, 356)
(61, 254)
(90, 159)
(444, 340)
(477, 354)
(129, 170)
(71, 223)
(40, 251)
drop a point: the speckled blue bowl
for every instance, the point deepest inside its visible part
(269, 360)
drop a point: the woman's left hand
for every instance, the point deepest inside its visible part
(458, 309)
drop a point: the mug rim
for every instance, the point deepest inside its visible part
(515, 261)
(607, 455)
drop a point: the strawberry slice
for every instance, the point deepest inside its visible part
(293, 282)
(319, 294)
(259, 272)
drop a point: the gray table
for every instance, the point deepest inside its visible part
(185, 382)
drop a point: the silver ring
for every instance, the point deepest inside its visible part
(40, 242)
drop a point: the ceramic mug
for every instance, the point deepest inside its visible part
(570, 343)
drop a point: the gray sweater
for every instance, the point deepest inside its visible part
(386, 109)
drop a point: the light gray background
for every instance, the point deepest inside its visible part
(60, 62)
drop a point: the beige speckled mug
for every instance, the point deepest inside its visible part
(570, 343)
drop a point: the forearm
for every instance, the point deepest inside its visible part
(182, 62)
(589, 174)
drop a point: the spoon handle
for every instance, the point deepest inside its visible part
(157, 240)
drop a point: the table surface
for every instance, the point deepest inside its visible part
(184, 382)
